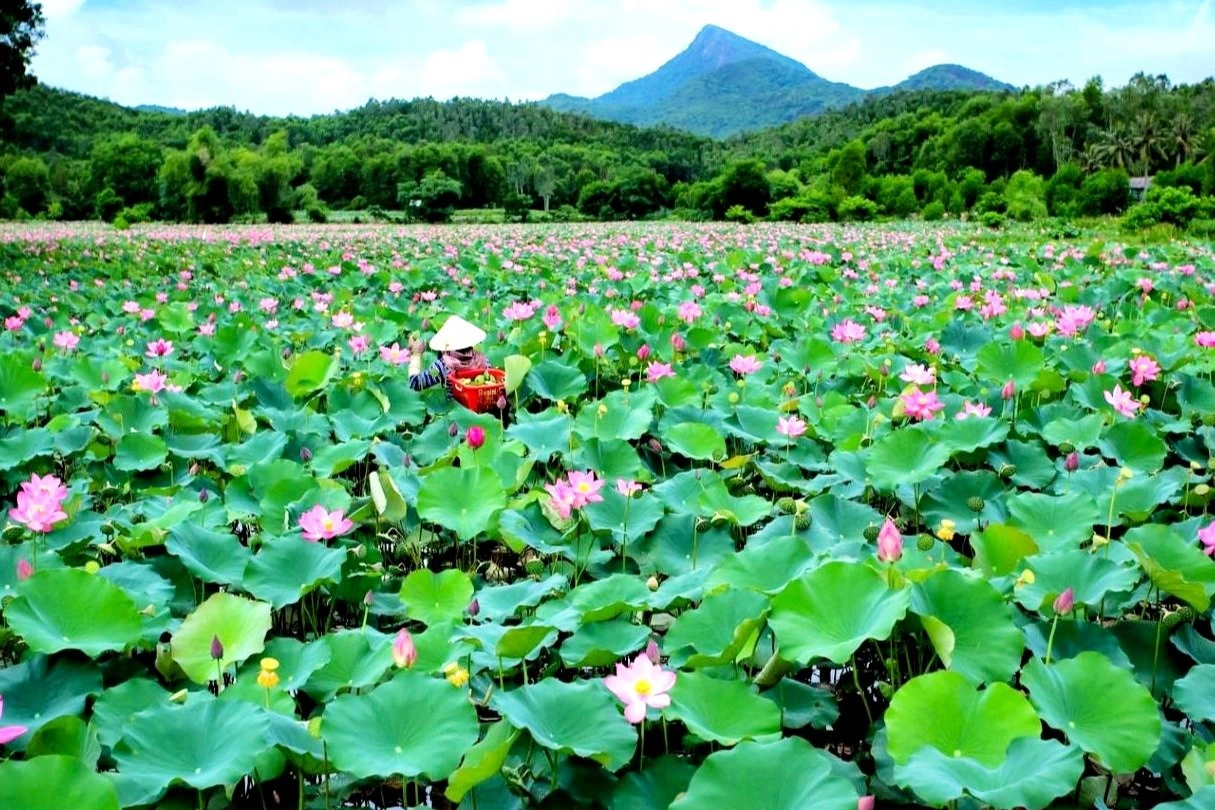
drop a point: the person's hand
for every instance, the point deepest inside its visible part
(416, 347)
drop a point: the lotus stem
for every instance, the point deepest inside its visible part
(774, 670)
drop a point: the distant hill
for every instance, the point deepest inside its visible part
(723, 84)
(156, 108)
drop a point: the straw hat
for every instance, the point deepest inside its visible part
(456, 334)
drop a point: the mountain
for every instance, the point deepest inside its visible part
(723, 84)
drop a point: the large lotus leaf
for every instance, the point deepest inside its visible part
(1174, 566)
(1195, 693)
(1019, 361)
(69, 609)
(356, 660)
(742, 510)
(803, 705)
(20, 385)
(655, 787)
(201, 744)
(1092, 577)
(599, 644)
(906, 456)
(436, 598)
(287, 568)
(784, 775)
(1081, 433)
(1100, 708)
(42, 688)
(240, 625)
(947, 712)
(1000, 549)
(500, 601)
(140, 451)
(1055, 522)
(1135, 445)
(624, 416)
(483, 761)
(63, 780)
(767, 568)
(116, 707)
(555, 380)
(724, 711)
(1035, 773)
(212, 556)
(575, 718)
(19, 446)
(969, 625)
(309, 372)
(716, 631)
(1201, 800)
(542, 434)
(609, 597)
(462, 500)
(694, 440)
(969, 435)
(611, 458)
(66, 736)
(831, 611)
(411, 726)
(627, 518)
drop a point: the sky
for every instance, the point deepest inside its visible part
(304, 57)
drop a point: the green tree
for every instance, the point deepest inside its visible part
(1025, 196)
(1106, 192)
(21, 26)
(28, 181)
(849, 169)
(128, 164)
(745, 183)
(432, 200)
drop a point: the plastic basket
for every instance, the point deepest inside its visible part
(477, 398)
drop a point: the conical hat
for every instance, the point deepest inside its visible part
(456, 334)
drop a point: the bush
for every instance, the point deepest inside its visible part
(736, 213)
(1187, 175)
(1167, 206)
(1106, 192)
(857, 209)
(809, 206)
(934, 212)
(317, 213)
(108, 204)
(992, 219)
(137, 213)
(1026, 197)
(991, 202)
(1203, 228)
(121, 223)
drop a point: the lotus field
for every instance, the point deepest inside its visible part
(771, 518)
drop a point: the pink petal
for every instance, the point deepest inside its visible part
(634, 712)
(10, 733)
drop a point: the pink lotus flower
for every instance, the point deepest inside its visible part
(153, 382)
(970, 409)
(1205, 339)
(552, 317)
(1074, 319)
(10, 733)
(625, 319)
(1123, 401)
(206, 329)
(66, 340)
(1016, 332)
(1065, 601)
(394, 354)
(744, 364)
(404, 653)
(641, 685)
(865, 803)
(932, 346)
(1099, 367)
(1008, 390)
(792, 427)
(320, 524)
(689, 311)
(159, 348)
(343, 320)
(37, 511)
(1206, 535)
(1143, 369)
(656, 371)
(475, 437)
(561, 498)
(627, 488)
(48, 486)
(918, 374)
(847, 331)
(24, 570)
(920, 405)
(359, 344)
(585, 487)
(889, 542)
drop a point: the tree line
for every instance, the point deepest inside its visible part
(1056, 150)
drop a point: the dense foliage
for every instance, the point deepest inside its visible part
(21, 26)
(782, 517)
(1054, 151)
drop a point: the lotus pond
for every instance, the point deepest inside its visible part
(779, 518)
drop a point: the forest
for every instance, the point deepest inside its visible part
(1058, 150)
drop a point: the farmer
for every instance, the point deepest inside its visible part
(456, 344)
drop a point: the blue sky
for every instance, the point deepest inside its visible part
(316, 56)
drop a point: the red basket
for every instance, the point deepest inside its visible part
(477, 398)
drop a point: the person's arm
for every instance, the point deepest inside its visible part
(434, 374)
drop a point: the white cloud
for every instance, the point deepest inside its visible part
(467, 71)
(55, 10)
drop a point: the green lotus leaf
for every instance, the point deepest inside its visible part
(462, 500)
(723, 711)
(31, 784)
(436, 598)
(356, 660)
(1174, 566)
(906, 456)
(945, 711)
(309, 372)
(969, 625)
(716, 631)
(1195, 693)
(240, 625)
(784, 775)
(1055, 522)
(1100, 708)
(212, 556)
(483, 761)
(1019, 361)
(140, 451)
(43, 688)
(829, 612)
(694, 440)
(574, 718)
(599, 644)
(501, 601)
(286, 569)
(379, 734)
(655, 787)
(69, 609)
(1092, 577)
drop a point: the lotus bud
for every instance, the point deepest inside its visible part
(474, 607)
(652, 583)
(425, 324)
(453, 430)
(1065, 601)
(1099, 367)
(598, 350)
(286, 352)
(655, 445)
(204, 495)
(368, 598)
(1009, 390)
(37, 364)
(1016, 332)
(651, 652)
(1072, 462)
(475, 437)
(404, 653)
(24, 570)
(217, 649)
(305, 454)
(890, 542)
(643, 352)
(865, 803)
(407, 460)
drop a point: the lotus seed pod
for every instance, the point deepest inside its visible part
(534, 568)
(1202, 490)
(1170, 620)
(924, 542)
(870, 534)
(1066, 447)
(787, 505)
(801, 521)
(1007, 470)
(976, 504)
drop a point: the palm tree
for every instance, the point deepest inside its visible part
(1148, 141)
(1114, 148)
(1182, 137)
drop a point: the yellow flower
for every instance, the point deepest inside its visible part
(1126, 474)
(1026, 578)
(457, 677)
(946, 530)
(269, 664)
(267, 679)
(562, 407)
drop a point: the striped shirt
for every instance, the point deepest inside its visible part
(433, 375)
